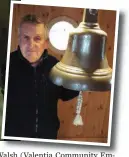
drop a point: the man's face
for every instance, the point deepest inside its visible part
(32, 41)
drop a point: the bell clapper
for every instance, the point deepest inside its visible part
(78, 119)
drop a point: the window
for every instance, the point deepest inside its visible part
(59, 29)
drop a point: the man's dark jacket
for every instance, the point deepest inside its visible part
(32, 98)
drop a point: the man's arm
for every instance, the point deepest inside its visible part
(67, 94)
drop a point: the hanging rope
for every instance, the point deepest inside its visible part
(78, 119)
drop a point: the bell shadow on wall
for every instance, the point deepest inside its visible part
(83, 79)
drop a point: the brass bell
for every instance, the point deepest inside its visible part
(84, 65)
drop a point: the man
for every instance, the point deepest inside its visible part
(32, 98)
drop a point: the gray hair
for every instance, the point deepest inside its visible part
(33, 19)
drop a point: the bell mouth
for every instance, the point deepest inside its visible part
(78, 79)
